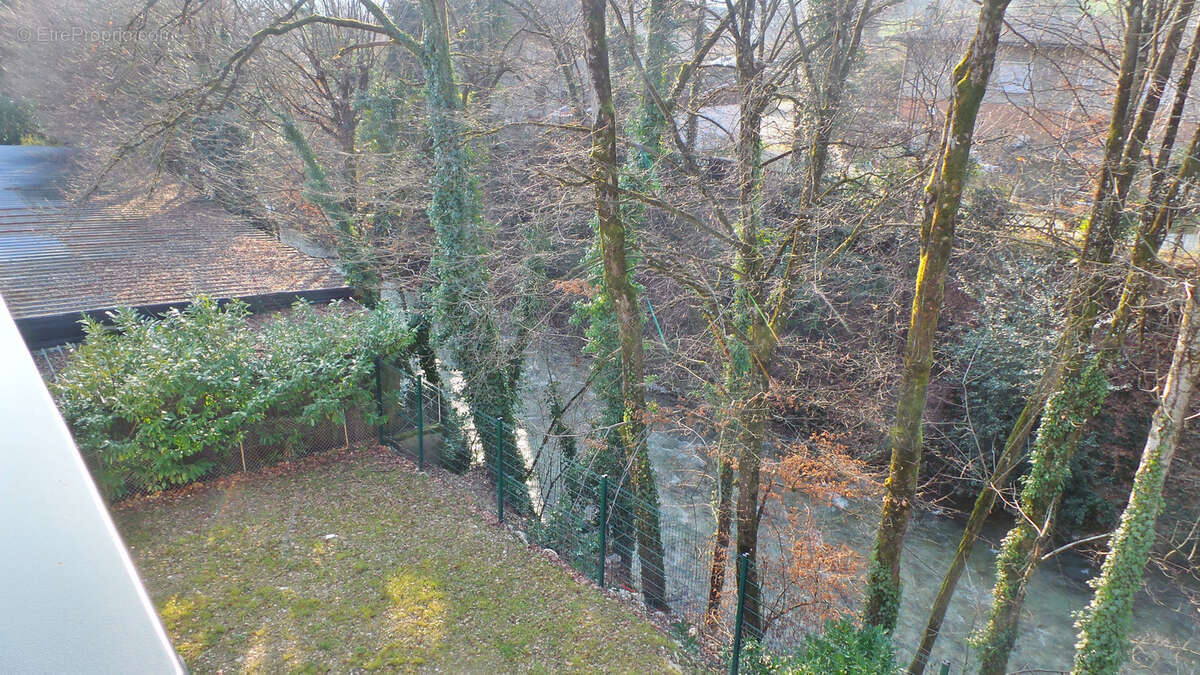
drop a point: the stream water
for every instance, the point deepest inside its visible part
(1166, 625)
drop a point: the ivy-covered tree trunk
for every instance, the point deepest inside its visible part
(651, 127)
(360, 273)
(1082, 390)
(748, 382)
(942, 197)
(621, 298)
(650, 122)
(720, 554)
(1067, 413)
(984, 502)
(462, 298)
(463, 311)
(1096, 251)
(1104, 626)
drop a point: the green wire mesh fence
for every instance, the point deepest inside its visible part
(275, 440)
(585, 513)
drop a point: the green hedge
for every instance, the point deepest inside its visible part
(842, 649)
(158, 402)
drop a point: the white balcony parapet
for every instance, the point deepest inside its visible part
(71, 600)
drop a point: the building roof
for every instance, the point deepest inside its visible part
(57, 258)
(1029, 27)
(73, 602)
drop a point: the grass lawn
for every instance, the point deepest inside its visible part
(364, 564)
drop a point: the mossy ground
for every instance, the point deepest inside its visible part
(248, 578)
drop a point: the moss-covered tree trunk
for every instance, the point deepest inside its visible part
(749, 384)
(942, 197)
(752, 431)
(692, 123)
(1083, 386)
(462, 298)
(1163, 192)
(622, 299)
(720, 553)
(360, 273)
(1096, 251)
(1104, 626)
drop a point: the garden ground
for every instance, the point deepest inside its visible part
(355, 561)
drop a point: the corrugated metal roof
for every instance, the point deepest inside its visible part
(56, 257)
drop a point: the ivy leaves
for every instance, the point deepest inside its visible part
(155, 402)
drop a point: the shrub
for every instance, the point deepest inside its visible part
(18, 125)
(318, 364)
(158, 402)
(842, 649)
(996, 362)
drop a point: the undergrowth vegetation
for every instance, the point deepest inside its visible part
(996, 360)
(157, 402)
(842, 648)
(18, 125)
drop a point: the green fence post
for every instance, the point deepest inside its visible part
(603, 526)
(379, 399)
(499, 471)
(743, 565)
(945, 668)
(420, 423)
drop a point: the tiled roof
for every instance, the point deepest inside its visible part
(57, 258)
